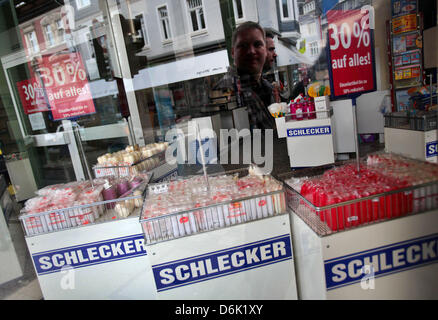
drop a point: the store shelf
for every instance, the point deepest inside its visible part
(406, 52)
(407, 66)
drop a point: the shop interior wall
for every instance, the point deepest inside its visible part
(382, 13)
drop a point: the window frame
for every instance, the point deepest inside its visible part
(157, 10)
(30, 45)
(60, 26)
(81, 6)
(144, 29)
(314, 45)
(236, 18)
(189, 19)
(291, 10)
(312, 9)
(46, 36)
(312, 25)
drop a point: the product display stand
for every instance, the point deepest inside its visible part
(235, 249)
(106, 259)
(395, 259)
(377, 246)
(246, 261)
(309, 142)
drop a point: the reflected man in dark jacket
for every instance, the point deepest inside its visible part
(245, 77)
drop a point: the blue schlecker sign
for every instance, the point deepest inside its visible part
(383, 261)
(220, 263)
(89, 254)
(431, 149)
(311, 131)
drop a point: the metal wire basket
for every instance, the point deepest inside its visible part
(329, 219)
(145, 164)
(211, 217)
(82, 215)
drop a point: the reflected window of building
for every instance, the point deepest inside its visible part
(309, 7)
(82, 4)
(196, 14)
(32, 42)
(143, 30)
(238, 9)
(314, 48)
(311, 28)
(60, 29)
(287, 9)
(163, 17)
(49, 35)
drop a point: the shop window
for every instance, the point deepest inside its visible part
(82, 4)
(196, 15)
(287, 9)
(49, 35)
(238, 9)
(163, 17)
(32, 42)
(143, 30)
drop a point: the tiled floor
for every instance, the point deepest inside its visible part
(27, 286)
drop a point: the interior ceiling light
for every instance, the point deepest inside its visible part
(22, 3)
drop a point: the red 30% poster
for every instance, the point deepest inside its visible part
(351, 52)
(32, 96)
(66, 84)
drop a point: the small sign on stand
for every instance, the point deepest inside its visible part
(351, 56)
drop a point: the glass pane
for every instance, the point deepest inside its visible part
(57, 75)
(285, 8)
(194, 20)
(239, 8)
(201, 17)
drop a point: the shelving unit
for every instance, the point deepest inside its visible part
(406, 51)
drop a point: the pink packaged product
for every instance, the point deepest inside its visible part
(309, 109)
(56, 201)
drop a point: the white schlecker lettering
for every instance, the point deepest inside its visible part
(386, 260)
(89, 254)
(225, 262)
(308, 131)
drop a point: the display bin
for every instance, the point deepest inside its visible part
(325, 220)
(310, 142)
(388, 257)
(426, 121)
(82, 215)
(145, 164)
(421, 121)
(211, 217)
(226, 250)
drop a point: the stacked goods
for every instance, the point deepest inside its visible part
(63, 206)
(171, 209)
(415, 173)
(116, 188)
(302, 109)
(130, 161)
(382, 174)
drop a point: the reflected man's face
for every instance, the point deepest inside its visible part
(249, 52)
(271, 54)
